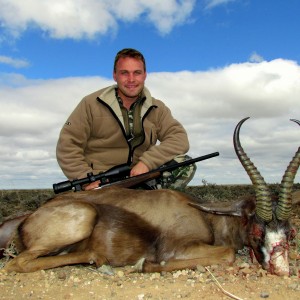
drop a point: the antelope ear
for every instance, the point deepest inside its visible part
(237, 209)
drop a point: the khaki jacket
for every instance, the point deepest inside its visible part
(93, 139)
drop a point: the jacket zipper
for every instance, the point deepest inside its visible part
(130, 154)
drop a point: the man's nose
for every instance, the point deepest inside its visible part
(131, 77)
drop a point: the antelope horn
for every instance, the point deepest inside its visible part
(284, 205)
(263, 197)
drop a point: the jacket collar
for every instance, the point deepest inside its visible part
(109, 97)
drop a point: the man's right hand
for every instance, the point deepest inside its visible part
(92, 186)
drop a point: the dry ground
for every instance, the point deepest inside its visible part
(243, 280)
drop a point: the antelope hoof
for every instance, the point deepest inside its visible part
(106, 269)
(138, 267)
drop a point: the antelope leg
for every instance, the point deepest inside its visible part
(198, 255)
(30, 261)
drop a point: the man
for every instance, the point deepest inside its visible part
(120, 124)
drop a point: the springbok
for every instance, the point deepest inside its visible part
(164, 230)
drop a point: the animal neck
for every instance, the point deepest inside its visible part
(228, 230)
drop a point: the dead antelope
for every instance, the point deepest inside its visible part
(166, 230)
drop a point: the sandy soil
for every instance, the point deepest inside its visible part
(243, 280)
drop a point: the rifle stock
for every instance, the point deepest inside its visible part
(133, 181)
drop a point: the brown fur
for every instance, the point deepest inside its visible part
(119, 227)
(296, 197)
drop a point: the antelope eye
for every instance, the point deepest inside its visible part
(257, 239)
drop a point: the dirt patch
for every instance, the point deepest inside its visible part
(244, 280)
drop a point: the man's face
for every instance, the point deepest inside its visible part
(130, 77)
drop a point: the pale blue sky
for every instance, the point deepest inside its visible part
(213, 62)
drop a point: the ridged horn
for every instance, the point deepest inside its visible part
(284, 205)
(263, 197)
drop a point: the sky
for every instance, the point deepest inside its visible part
(213, 63)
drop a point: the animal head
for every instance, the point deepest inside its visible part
(266, 227)
(270, 230)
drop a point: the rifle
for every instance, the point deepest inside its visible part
(113, 175)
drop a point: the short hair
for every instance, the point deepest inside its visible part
(129, 52)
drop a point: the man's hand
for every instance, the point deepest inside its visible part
(92, 185)
(139, 168)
